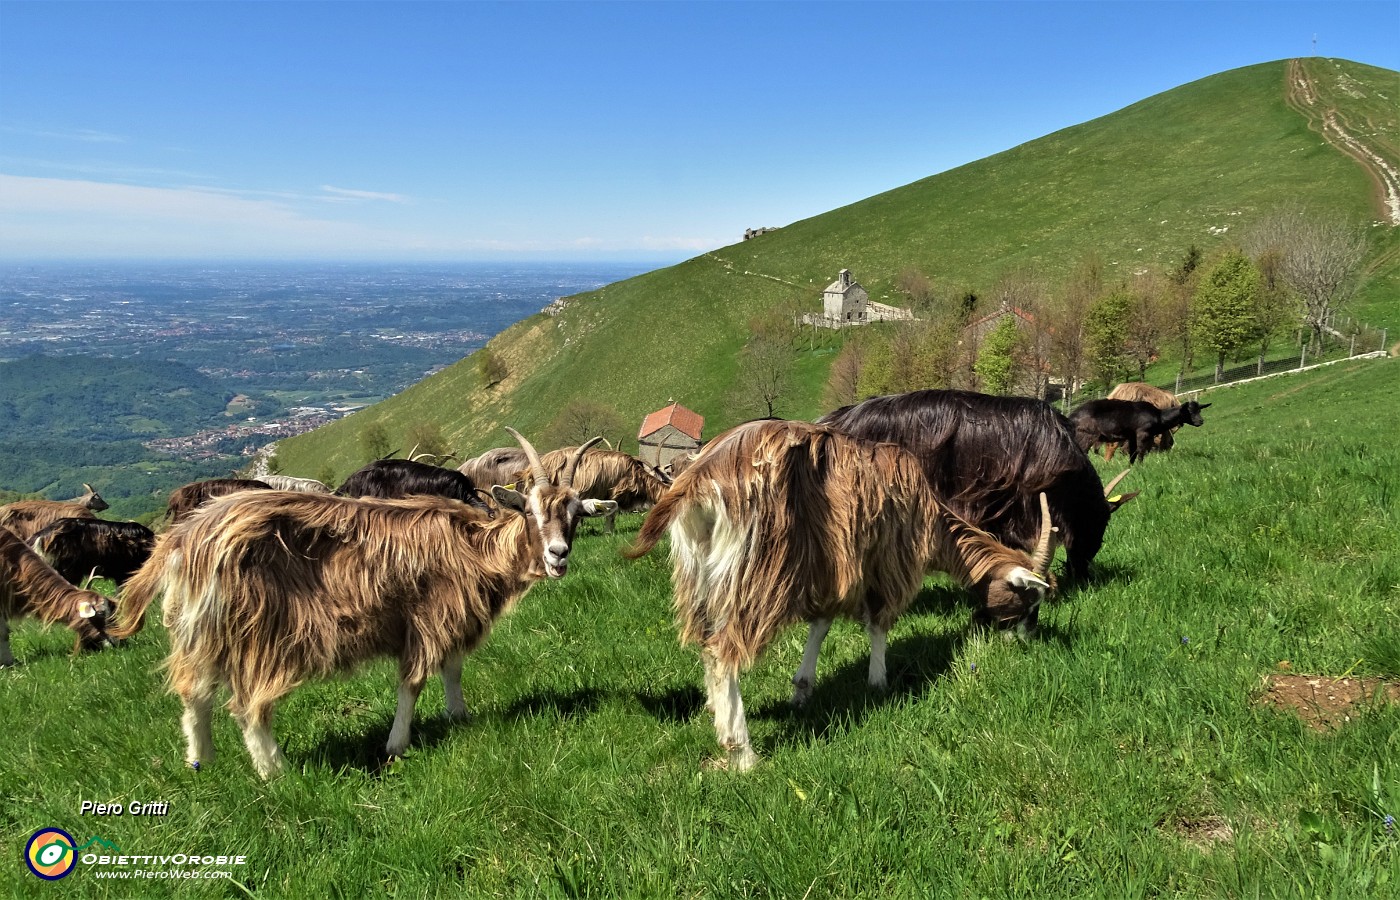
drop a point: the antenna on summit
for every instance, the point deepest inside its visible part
(1314, 45)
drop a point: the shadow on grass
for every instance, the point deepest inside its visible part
(364, 750)
(676, 706)
(571, 705)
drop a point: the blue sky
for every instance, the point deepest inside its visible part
(568, 130)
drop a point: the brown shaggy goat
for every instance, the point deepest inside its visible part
(1144, 393)
(267, 589)
(189, 497)
(500, 465)
(783, 522)
(609, 475)
(26, 517)
(30, 587)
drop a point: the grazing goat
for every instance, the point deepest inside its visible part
(26, 517)
(1130, 422)
(30, 587)
(609, 475)
(988, 460)
(783, 522)
(501, 465)
(264, 590)
(1146, 393)
(289, 483)
(390, 479)
(186, 499)
(79, 548)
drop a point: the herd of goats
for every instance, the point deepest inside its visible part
(268, 583)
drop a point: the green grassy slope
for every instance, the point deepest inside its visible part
(1136, 187)
(1122, 754)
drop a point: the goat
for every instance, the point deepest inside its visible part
(26, 517)
(189, 497)
(264, 590)
(501, 465)
(389, 479)
(289, 483)
(988, 460)
(780, 522)
(1132, 422)
(30, 587)
(79, 548)
(1146, 393)
(609, 475)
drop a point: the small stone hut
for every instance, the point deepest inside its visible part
(845, 301)
(669, 432)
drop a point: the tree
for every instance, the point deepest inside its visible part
(1276, 306)
(1222, 318)
(843, 383)
(1319, 257)
(582, 419)
(766, 364)
(1176, 317)
(426, 438)
(1027, 291)
(1106, 334)
(1147, 317)
(997, 364)
(490, 367)
(374, 441)
(1069, 313)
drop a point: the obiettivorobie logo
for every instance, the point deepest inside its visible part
(52, 853)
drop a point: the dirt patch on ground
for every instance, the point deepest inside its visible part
(1203, 833)
(1326, 703)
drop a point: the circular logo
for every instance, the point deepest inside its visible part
(50, 854)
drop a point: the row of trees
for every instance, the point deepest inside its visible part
(1289, 274)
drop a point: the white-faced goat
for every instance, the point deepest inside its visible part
(784, 522)
(609, 475)
(29, 587)
(26, 517)
(266, 589)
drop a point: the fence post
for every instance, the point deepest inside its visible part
(1382, 346)
(1352, 351)
(1303, 357)
(1178, 382)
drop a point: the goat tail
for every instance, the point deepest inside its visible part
(139, 592)
(656, 524)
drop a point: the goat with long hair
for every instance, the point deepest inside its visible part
(264, 590)
(783, 522)
(30, 587)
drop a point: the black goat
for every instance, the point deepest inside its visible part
(392, 479)
(1131, 422)
(989, 458)
(78, 548)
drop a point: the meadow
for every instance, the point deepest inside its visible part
(1125, 752)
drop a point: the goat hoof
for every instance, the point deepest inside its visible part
(742, 759)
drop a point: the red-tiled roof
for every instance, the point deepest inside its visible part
(687, 422)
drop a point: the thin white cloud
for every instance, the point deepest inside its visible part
(83, 135)
(364, 195)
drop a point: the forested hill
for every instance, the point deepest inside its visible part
(1132, 190)
(106, 399)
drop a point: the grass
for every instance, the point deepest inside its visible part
(1121, 754)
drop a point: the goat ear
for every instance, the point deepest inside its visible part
(1118, 500)
(509, 499)
(599, 507)
(86, 609)
(1203, 405)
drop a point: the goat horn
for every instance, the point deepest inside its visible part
(92, 576)
(1044, 547)
(566, 477)
(536, 467)
(1108, 489)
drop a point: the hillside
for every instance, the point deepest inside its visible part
(1189, 166)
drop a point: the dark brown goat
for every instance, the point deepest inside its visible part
(26, 517)
(989, 459)
(1144, 393)
(185, 500)
(30, 587)
(79, 548)
(784, 522)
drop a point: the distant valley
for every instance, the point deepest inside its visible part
(166, 372)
